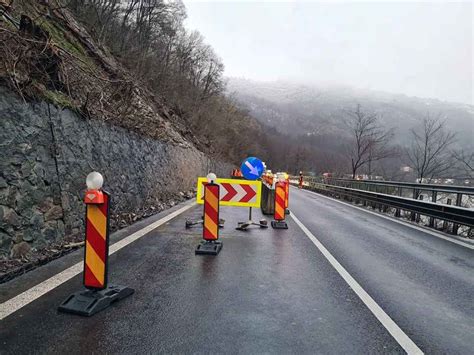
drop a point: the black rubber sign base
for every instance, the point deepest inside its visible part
(208, 248)
(243, 226)
(89, 302)
(190, 224)
(279, 225)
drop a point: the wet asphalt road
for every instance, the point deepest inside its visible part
(268, 291)
(425, 284)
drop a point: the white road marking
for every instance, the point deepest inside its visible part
(14, 304)
(407, 224)
(398, 334)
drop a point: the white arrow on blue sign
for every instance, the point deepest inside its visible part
(252, 168)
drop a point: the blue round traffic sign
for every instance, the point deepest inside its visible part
(252, 168)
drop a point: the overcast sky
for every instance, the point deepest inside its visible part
(418, 49)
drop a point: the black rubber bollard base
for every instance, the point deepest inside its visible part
(287, 211)
(89, 302)
(279, 225)
(208, 248)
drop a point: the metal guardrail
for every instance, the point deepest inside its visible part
(452, 189)
(462, 196)
(454, 214)
(389, 195)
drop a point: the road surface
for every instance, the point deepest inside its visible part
(268, 291)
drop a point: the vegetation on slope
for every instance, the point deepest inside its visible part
(132, 64)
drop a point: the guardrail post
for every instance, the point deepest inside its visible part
(385, 207)
(413, 214)
(418, 217)
(458, 203)
(380, 190)
(371, 204)
(434, 197)
(445, 224)
(398, 211)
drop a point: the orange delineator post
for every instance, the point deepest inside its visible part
(279, 213)
(210, 231)
(97, 244)
(211, 212)
(98, 295)
(280, 198)
(287, 193)
(236, 173)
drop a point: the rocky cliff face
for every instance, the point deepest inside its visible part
(46, 153)
(68, 107)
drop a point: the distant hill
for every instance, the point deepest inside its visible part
(317, 111)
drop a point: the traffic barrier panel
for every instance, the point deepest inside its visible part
(279, 213)
(98, 295)
(268, 200)
(239, 193)
(210, 231)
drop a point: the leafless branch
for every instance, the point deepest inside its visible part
(429, 153)
(370, 142)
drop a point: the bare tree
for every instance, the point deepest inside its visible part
(370, 141)
(466, 161)
(429, 153)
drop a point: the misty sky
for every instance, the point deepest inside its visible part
(418, 49)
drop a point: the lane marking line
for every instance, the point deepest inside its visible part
(407, 224)
(397, 333)
(15, 303)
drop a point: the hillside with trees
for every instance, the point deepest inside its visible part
(136, 65)
(347, 131)
(132, 64)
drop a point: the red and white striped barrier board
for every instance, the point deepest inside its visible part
(240, 193)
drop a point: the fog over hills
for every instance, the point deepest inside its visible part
(298, 109)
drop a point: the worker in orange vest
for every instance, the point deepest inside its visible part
(301, 180)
